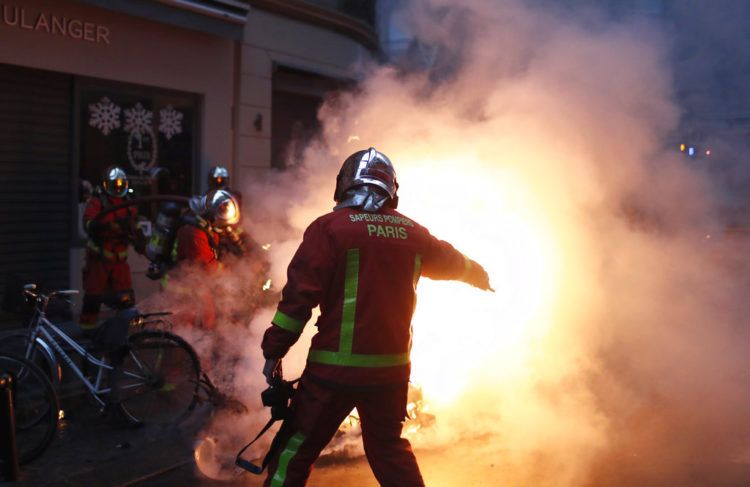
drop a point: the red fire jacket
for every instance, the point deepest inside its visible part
(192, 244)
(362, 270)
(104, 241)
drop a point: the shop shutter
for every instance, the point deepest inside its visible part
(297, 96)
(35, 176)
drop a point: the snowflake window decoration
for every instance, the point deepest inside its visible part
(138, 119)
(104, 115)
(170, 122)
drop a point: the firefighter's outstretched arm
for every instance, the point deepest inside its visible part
(476, 276)
(443, 262)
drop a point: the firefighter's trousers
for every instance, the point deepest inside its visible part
(318, 411)
(107, 282)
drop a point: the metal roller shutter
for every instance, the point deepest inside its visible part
(35, 176)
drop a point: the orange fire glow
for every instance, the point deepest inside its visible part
(495, 220)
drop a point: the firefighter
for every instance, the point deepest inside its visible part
(360, 264)
(106, 274)
(218, 178)
(197, 244)
(234, 240)
(210, 216)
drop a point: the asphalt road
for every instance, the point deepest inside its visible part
(91, 451)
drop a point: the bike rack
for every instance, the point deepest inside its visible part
(8, 451)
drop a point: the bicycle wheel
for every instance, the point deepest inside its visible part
(156, 380)
(17, 343)
(35, 407)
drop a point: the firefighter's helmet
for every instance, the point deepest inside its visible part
(115, 181)
(218, 178)
(218, 206)
(367, 167)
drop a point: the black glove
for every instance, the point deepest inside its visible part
(478, 277)
(272, 370)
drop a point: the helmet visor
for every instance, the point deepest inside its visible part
(117, 185)
(228, 214)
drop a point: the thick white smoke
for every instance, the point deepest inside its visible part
(613, 352)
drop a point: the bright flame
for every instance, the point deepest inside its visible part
(494, 220)
(267, 285)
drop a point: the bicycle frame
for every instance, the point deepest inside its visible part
(140, 373)
(42, 328)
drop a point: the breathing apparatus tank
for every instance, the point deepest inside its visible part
(159, 247)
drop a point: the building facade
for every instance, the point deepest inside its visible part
(178, 84)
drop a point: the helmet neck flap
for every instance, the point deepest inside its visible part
(366, 197)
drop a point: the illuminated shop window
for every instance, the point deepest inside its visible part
(139, 129)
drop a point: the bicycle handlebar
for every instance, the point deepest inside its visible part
(28, 290)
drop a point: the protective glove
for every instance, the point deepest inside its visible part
(272, 370)
(478, 277)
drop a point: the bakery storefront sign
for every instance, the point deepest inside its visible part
(19, 17)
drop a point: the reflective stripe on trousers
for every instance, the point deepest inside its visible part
(290, 449)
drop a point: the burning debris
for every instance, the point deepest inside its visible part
(348, 443)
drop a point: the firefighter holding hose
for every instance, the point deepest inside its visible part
(196, 246)
(360, 264)
(234, 240)
(211, 216)
(106, 274)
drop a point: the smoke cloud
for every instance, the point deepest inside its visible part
(613, 352)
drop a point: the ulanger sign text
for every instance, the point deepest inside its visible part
(23, 18)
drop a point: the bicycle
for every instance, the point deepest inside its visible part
(152, 376)
(35, 405)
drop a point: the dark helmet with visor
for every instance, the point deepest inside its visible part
(367, 167)
(218, 177)
(115, 181)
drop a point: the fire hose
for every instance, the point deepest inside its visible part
(143, 199)
(156, 270)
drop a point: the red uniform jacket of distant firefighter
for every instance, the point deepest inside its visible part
(362, 270)
(111, 245)
(197, 245)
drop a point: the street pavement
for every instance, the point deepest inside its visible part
(90, 450)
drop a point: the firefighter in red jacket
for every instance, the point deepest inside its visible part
(106, 275)
(360, 264)
(197, 244)
(211, 216)
(234, 240)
